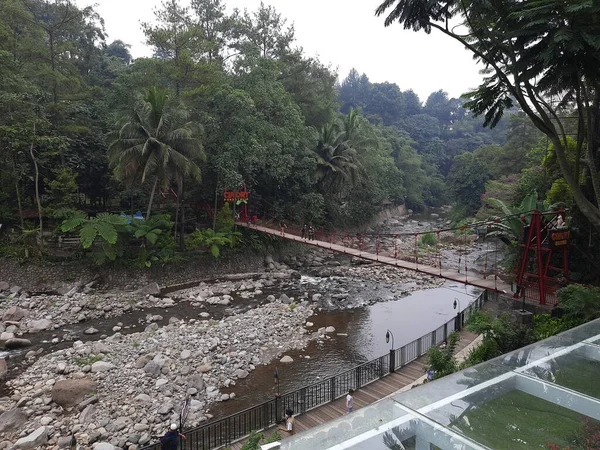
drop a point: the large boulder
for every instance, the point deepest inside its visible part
(36, 439)
(14, 314)
(15, 343)
(12, 420)
(150, 289)
(4, 286)
(69, 393)
(35, 326)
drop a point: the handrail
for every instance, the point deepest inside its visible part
(230, 429)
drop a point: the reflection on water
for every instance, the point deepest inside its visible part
(359, 337)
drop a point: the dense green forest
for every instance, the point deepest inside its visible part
(230, 101)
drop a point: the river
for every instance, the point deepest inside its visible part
(359, 337)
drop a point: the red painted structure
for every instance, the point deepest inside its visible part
(544, 264)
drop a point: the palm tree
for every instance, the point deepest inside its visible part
(337, 153)
(157, 142)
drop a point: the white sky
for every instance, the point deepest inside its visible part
(342, 33)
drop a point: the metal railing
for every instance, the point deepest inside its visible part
(225, 431)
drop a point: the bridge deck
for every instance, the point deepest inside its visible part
(492, 283)
(368, 394)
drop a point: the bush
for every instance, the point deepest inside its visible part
(428, 240)
(253, 442)
(579, 303)
(441, 360)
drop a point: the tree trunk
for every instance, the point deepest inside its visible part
(37, 193)
(149, 210)
(182, 232)
(216, 203)
(17, 190)
(179, 189)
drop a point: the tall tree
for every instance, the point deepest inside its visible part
(545, 56)
(157, 142)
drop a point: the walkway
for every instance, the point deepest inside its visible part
(472, 279)
(368, 394)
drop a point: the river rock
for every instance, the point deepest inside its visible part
(100, 347)
(330, 330)
(6, 335)
(185, 354)
(67, 393)
(196, 381)
(12, 420)
(14, 314)
(104, 446)
(90, 330)
(152, 368)
(64, 442)
(87, 414)
(3, 368)
(204, 368)
(286, 359)
(283, 298)
(102, 366)
(4, 286)
(144, 398)
(15, 343)
(241, 374)
(15, 289)
(150, 289)
(36, 439)
(35, 326)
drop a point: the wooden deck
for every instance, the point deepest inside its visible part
(492, 283)
(368, 394)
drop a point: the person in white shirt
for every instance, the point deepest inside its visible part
(349, 401)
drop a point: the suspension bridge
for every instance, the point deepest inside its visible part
(542, 270)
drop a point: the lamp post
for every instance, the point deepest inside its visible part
(277, 396)
(387, 338)
(458, 314)
(388, 333)
(276, 379)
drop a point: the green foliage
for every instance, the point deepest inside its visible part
(579, 303)
(225, 221)
(104, 226)
(88, 361)
(531, 51)
(274, 437)
(213, 241)
(62, 188)
(253, 442)
(545, 326)
(502, 332)
(441, 360)
(428, 240)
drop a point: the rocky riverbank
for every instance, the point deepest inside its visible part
(124, 389)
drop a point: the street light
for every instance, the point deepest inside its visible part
(457, 302)
(458, 314)
(387, 337)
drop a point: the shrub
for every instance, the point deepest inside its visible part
(441, 360)
(428, 240)
(579, 303)
(253, 441)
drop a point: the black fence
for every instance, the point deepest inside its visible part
(224, 432)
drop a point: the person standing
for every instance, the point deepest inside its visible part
(304, 228)
(349, 401)
(170, 441)
(311, 233)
